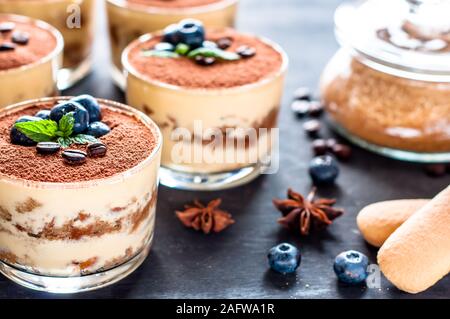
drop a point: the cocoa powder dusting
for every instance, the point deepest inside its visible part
(185, 72)
(128, 143)
(174, 3)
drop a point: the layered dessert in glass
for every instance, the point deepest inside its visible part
(129, 19)
(30, 56)
(75, 21)
(218, 114)
(77, 210)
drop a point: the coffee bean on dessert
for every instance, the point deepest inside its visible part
(47, 147)
(319, 147)
(7, 26)
(315, 108)
(74, 157)
(7, 46)
(435, 170)
(246, 51)
(96, 150)
(224, 43)
(20, 37)
(331, 142)
(300, 107)
(341, 151)
(205, 61)
(303, 93)
(312, 127)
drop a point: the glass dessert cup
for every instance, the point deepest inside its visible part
(383, 95)
(199, 152)
(78, 39)
(78, 236)
(34, 80)
(128, 21)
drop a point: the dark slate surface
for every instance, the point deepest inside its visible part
(186, 264)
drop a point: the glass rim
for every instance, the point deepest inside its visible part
(146, 120)
(42, 25)
(221, 4)
(202, 91)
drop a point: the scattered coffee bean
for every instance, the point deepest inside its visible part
(205, 61)
(6, 46)
(74, 157)
(303, 93)
(7, 26)
(341, 151)
(300, 107)
(47, 147)
(331, 142)
(315, 108)
(20, 37)
(224, 43)
(435, 170)
(312, 127)
(96, 150)
(246, 51)
(319, 147)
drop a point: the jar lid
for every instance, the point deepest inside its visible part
(409, 38)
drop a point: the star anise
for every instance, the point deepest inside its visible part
(205, 218)
(306, 213)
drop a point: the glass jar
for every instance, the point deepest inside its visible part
(388, 88)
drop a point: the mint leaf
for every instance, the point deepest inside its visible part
(64, 141)
(84, 139)
(65, 125)
(160, 54)
(182, 49)
(38, 131)
(214, 53)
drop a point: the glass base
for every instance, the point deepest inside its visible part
(391, 152)
(67, 77)
(118, 77)
(208, 182)
(74, 284)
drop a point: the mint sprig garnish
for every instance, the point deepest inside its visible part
(49, 131)
(214, 53)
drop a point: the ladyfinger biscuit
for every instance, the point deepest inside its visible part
(379, 220)
(417, 254)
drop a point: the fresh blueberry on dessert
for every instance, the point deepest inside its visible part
(192, 33)
(43, 114)
(351, 267)
(323, 169)
(98, 129)
(79, 113)
(172, 34)
(284, 258)
(91, 105)
(19, 137)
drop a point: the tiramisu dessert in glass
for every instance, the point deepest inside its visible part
(75, 21)
(30, 56)
(78, 189)
(215, 95)
(129, 19)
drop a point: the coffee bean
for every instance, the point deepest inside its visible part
(315, 108)
(7, 26)
(205, 61)
(303, 93)
(224, 43)
(319, 147)
(312, 127)
(96, 150)
(331, 142)
(341, 151)
(435, 170)
(300, 107)
(47, 147)
(20, 37)
(6, 46)
(246, 51)
(74, 157)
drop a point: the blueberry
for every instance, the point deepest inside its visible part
(323, 169)
(91, 105)
(18, 137)
(172, 34)
(164, 46)
(98, 129)
(80, 115)
(351, 267)
(192, 33)
(284, 258)
(43, 114)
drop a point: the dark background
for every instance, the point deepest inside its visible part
(232, 264)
